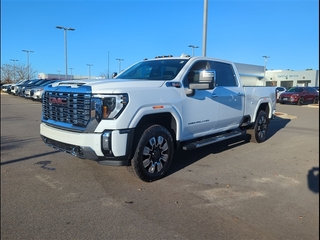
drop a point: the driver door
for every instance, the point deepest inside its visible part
(200, 109)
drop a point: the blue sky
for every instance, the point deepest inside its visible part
(237, 30)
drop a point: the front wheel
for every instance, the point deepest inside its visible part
(153, 155)
(260, 128)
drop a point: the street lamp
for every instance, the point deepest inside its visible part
(28, 67)
(71, 72)
(265, 65)
(89, 65)
(14, 68)
(108, 66)
(65, 45)
(204, 34)
(193, 47)
(119, 59)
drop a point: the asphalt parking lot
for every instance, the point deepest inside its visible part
(231, 190)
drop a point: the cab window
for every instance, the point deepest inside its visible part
(225, 75)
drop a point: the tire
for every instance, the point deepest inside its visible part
(300, 101)
(153, 154)
(316, 100)
(260, 128)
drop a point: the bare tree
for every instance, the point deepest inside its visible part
(104, 74)
(10, 73)
(6, 73)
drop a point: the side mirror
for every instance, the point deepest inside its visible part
(114, 75)
(203, 79)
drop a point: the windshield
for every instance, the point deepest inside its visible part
(164, 69)
(295, 89)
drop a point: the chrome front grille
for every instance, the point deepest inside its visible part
(66, 109)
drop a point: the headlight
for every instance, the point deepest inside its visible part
(108, 106)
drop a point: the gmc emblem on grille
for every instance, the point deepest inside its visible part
(57, 101)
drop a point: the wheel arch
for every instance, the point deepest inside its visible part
(165, 119)
(264, 107)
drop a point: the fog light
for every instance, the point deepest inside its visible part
(106, 141)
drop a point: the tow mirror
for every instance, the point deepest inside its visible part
(202, 79)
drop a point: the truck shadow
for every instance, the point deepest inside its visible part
(182, 159)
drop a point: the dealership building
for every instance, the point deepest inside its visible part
(289, 78)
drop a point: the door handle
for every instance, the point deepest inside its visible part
(240, 94)
(213, 95)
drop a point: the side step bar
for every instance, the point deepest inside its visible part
(210, 140)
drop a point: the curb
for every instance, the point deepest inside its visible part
(312, 105)
(284, 115)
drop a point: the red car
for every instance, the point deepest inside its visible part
(299, 96)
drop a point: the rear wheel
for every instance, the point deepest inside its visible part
(153, 155)
(316, 100)
(260, 129)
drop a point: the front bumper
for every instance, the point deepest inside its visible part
(113, 148)
(289, 100)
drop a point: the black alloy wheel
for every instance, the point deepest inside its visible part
(153, 155)
(260, 129)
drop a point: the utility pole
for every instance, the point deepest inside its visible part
(89, 65)
(28, 66)
(119, 59)
(108, 66)
(14, 68)
(65, 46)
(265, 65)
(204, 36)
(71, 72)
(193, 47)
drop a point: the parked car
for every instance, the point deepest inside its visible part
(5, 87)
(299, 96)
(26, 90)
(280, 90)
(21, 87)
(36, 92)
(14, 86)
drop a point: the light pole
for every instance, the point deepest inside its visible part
(265, 65)
(14, 68)
(28, 67)
(59, 73)
(89, 65)
(193, 47)
(204, 35)
(108, 66)
(65, 45)
(119, 59)
(71, 72)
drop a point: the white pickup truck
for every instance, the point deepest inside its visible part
(139, 118)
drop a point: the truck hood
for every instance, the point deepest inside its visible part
(110, 85)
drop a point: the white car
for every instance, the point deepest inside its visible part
(5, 87)
(36, 92)
(279, 91)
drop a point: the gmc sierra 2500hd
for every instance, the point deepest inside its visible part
(139, 118)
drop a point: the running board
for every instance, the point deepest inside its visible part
(210, 140)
